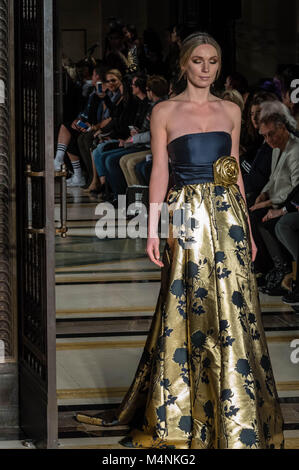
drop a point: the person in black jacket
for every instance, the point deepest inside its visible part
(135, 108)
(69, 132)
(259, 173)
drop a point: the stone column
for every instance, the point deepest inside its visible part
(8, 364)
(5, 286)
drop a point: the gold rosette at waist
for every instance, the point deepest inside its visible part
(226, 170)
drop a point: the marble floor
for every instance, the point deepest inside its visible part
(106, 291)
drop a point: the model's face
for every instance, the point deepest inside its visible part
(202, 66)
(112, 82)
(276, 137)
(255, 115)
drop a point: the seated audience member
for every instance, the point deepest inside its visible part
(277, 127)
(287, 232)
(69, 133)
(257, 174)
(136, 109)
(250, 139)
(157, 89)
(74, 78)
(111, 110)
(85, 140)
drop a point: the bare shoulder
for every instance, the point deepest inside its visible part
(163, 109)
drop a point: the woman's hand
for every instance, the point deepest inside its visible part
(261, 205)
(261, 198)
(74, 125)
(96, 134)
(152, 249)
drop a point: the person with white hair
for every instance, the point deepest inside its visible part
(278, 128)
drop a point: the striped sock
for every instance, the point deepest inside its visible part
(77, 168)
(61, 149)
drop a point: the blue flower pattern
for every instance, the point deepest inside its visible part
(206, 376)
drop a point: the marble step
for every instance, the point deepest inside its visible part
(100, 369)
(73, 434)
(85, 300)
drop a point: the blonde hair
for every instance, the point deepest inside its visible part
(116, 73)
(191, 42)
(235, 97)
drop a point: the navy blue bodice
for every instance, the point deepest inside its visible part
(192, 155)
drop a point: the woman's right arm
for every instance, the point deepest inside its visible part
(159, 179)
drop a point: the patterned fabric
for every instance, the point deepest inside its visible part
(205, 378)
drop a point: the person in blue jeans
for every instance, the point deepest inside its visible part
(106, 158)
(107, 164)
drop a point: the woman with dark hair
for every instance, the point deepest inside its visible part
(250, 138)
(205, 379)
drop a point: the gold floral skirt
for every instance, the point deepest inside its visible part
(205, 378)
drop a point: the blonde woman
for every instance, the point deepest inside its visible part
(205, 378)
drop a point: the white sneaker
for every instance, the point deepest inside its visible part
(57, 165)
(76, 181)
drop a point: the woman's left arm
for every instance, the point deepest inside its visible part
(236, 115)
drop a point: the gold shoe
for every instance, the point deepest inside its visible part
(101, 419)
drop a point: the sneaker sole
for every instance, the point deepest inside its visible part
(291, 303)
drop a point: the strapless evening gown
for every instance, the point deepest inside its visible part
(205, 378)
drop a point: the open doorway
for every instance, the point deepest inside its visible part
(106, 289)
